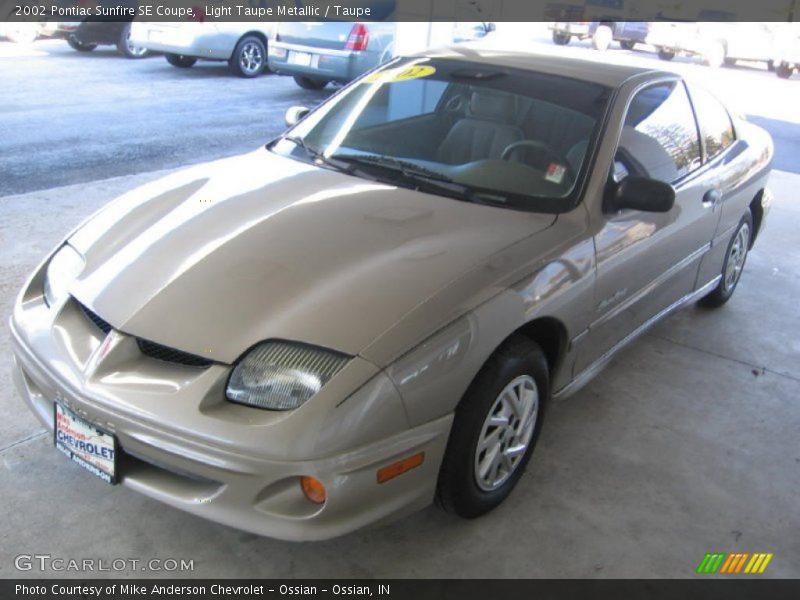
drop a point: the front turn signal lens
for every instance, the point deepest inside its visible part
(313, 489)
(400, 467)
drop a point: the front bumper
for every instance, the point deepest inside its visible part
(183, 444)
(323, 64)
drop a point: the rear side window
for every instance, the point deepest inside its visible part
(659, 138)
(715, 122)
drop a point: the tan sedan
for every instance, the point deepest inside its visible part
(373, 312)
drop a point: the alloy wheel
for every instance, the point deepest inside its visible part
(251, 58)
(737, 256)
(506, 433)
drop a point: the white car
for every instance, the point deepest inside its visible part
(242, 45)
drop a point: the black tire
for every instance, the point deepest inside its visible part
(665, 54)
(310, 84)
(783, 70)
(180, 61)
(724, 291)
(729, 62)
(458, 490)
(561, 39)
(126, 48)
(76, 44)
(627, 44)
(249, 58)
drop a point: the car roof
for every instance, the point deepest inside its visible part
(595, 71)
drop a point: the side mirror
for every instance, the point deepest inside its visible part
(295, 114)
(643, 193)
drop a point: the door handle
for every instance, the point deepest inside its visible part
(712, 198)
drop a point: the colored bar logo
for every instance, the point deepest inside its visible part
(734, 564)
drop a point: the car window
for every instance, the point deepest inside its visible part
(499, 135)
(715, 122)
(659, 138)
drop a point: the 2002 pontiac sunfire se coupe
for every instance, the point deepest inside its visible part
(373, 312)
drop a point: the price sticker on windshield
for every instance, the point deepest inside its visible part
(555, 172)
(401, 74)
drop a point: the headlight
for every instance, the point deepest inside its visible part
(282, 375)
(62, 270)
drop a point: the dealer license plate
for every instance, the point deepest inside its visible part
(300, 58)
(92, 448)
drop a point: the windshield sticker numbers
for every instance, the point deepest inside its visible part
(402, 74)
(555, 172)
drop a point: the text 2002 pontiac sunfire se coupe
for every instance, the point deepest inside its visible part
(373, 312)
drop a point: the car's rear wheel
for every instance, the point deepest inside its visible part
(561, 39)
(128, 49)
(308, 83)
(783, 70)
(735, 260)
(180, 61)
(78, 45)
(665, 54)
(602, 38)
(495, 429)
(249, 59)
(627, 44)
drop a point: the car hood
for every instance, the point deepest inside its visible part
(216, 258)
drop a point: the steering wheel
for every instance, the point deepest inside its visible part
(540, 147)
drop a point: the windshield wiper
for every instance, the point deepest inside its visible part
(428, 180)
(406, 168)
(317, 156)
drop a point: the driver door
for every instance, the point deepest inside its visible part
(646, 262)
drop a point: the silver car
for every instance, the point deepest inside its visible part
(243, 46)
(317, 53)
(374, 311)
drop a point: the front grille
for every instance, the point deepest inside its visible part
(149, 348)
(168, 354)
(102, 325)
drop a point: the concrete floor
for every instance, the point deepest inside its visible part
(686, 444)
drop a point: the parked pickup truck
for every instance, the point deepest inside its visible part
(716, 44)
(602, 33)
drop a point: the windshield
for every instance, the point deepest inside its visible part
(472, 131)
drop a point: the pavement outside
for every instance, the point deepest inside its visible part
(686, 444)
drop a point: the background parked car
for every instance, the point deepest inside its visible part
(26, 33)
(317, 53)
(242, 45)
(85, 36)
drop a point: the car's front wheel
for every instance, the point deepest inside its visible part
(78, 45)
(310, 84)
(180, 61)
(561, 39)
(128, 49)
(627, 44)
(495, 429)
(735, 259)
(249, 59)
